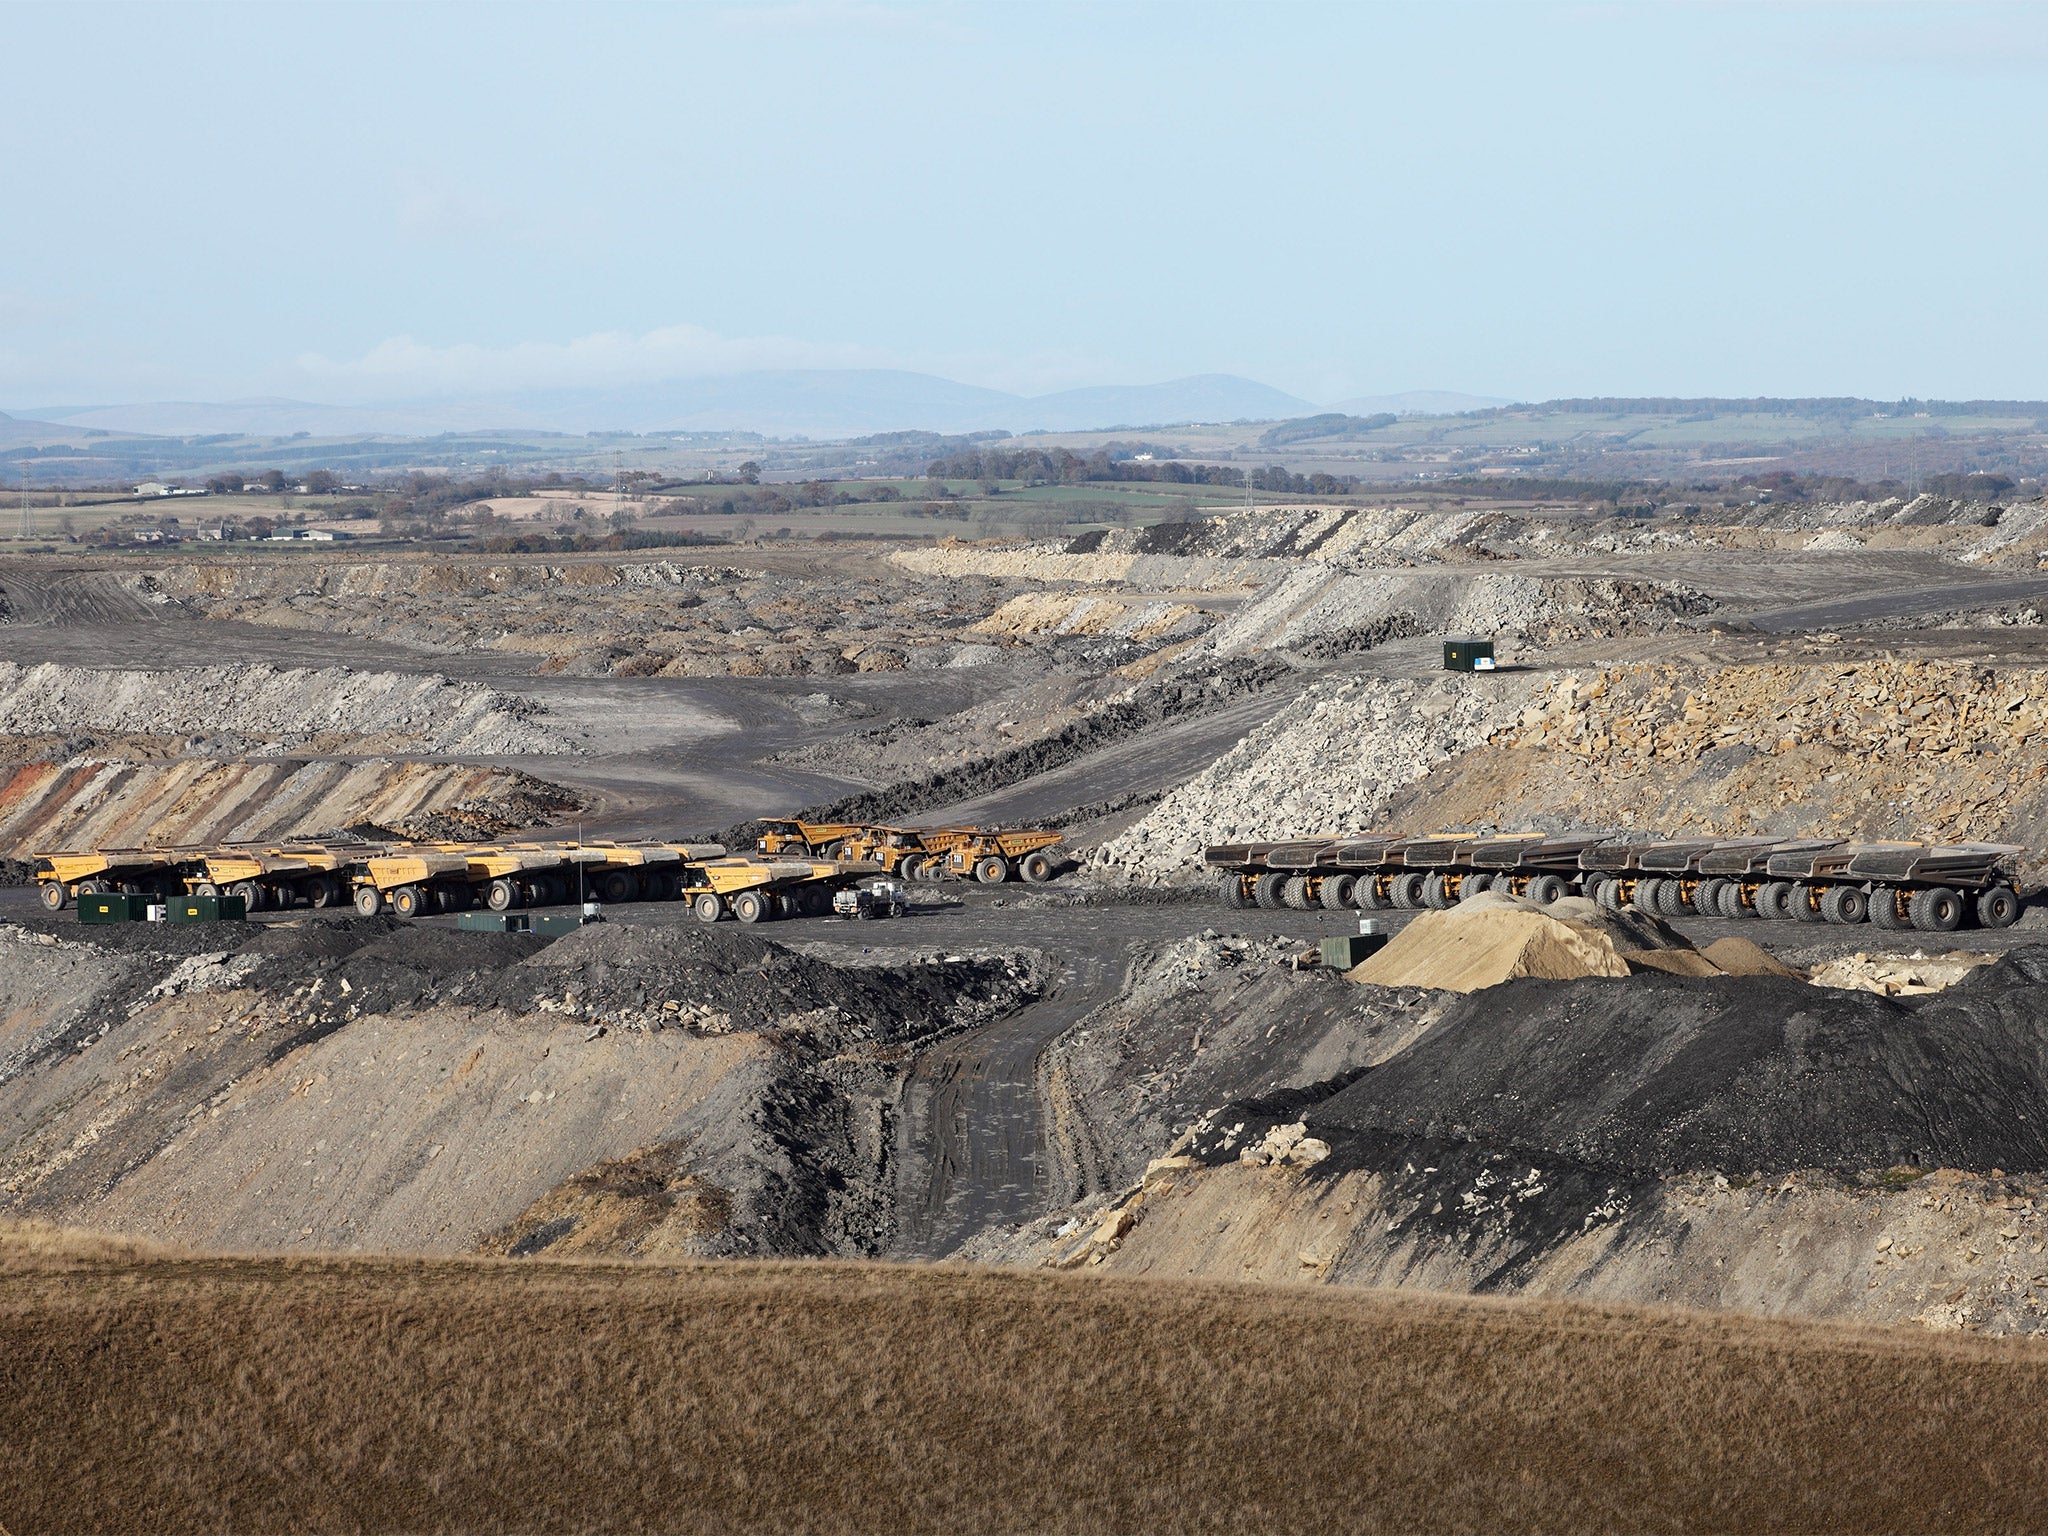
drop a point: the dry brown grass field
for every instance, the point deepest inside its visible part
(149, 1391)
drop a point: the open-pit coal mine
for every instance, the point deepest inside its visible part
(440, 919)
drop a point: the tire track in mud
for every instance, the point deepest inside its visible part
(970, 1132)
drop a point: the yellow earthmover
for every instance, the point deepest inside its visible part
(821, 839)
(761, 890)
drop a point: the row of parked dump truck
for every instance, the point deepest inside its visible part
(416, 879)
(799, 868)
(1932, 886)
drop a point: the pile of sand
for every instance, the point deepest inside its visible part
(1495, 937)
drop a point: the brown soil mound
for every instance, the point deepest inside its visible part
(1494, 938)
(326, 1395)
(1489, 940)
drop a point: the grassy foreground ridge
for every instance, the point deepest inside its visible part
(150, 1391)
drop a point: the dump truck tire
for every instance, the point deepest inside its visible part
(55, 897)
(1728, 901)
(707, 907)
(1474, 885)
(1406, 891)
(250, 892)
(369, 900)
(94, 887)
(1845, 904)
(1770, 899)
(911, 867)
(1335, 895)
(1889, 909)
(1599, 893)
(1648, 893)
(1937, 910)
(1266, 891)
(1365, 894)
(1545, 889)
(320, 894)
(1294, 893)
(750, 906)
(1706, 897)
(501, 895)
(993, 870)
(1998, 907)
(408, 901)
(1230, 892)
(1434, 897)
(1036, 868)
(616, 887)
(1803, 904)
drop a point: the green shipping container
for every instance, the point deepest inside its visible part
(113, 908)
(1468, 656)
(494, 922)
(1347, 950)
(206, 909)
(554, 924)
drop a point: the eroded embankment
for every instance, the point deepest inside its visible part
(1750, 1143)
(266, 710)
(360, 1084)
(88, 803)
(1870, 748)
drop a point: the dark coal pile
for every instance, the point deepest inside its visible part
(168, 940)
(758, 982)
(1668, 1074)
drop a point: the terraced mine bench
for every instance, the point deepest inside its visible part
(1930, 886)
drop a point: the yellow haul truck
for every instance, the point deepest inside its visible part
(273, 877)
(903, 852)
(787, 835)
(64, 877)
(761, 890)
(993, 857)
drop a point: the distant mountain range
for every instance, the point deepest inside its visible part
(814, 403)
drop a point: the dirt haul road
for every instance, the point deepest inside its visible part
(970, 1135)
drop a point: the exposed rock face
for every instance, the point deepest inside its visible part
(1331, 763)
(1879, 749)
(1873, 748)
(84, 803)
(258, 709)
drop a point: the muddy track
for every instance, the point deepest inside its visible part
(970, 1133)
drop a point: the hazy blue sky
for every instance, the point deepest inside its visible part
(382, 201)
